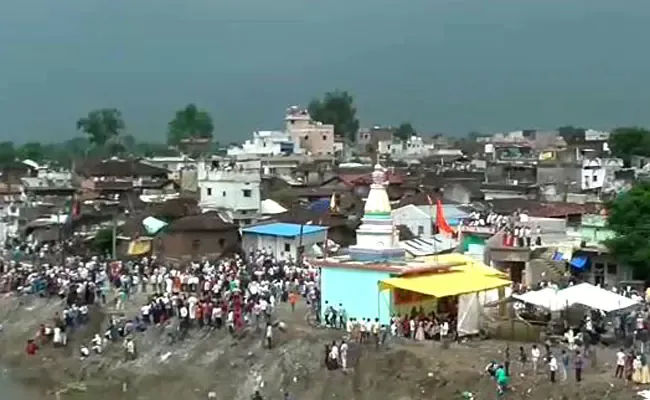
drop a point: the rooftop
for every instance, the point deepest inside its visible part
(284, 229)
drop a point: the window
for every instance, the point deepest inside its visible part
(224, 193)
(247, 192)
(612, 269)
(420, 230)
(208, 191)
(222, 243)
(595, 178)
(196, 244)
(246, 221)
(287, 247)
(324, 137)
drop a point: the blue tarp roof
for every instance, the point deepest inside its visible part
(319, 206)
(558, 256)
(579, 262)
(283, 229)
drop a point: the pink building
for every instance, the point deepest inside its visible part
(313, 136)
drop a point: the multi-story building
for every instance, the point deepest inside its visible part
(268, 143)
(173, 164)
(232, 186)
(313, 136)
(413, 147)
(372, 136)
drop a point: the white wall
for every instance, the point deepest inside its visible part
(235, 188)
(592, 174)
(418, 222)
(267, 143)
(281, 247)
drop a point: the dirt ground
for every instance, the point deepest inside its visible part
(233, 368)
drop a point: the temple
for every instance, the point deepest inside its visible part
(377, 237)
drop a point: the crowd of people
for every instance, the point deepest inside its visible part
(517, 229)
(233, 293)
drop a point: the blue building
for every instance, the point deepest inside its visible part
(283, 239)
(355, 287)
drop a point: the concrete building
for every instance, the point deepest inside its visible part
(173, 164)
(591, 260)
(283, 240)
(413, 147)
(267, 143)
(231, 185)
(372, 136)
(313, 136)
(420, 219)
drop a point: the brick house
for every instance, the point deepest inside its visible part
(197, 236)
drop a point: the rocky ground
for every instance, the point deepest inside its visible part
(234, 367)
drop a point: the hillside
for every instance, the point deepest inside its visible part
(233, 368)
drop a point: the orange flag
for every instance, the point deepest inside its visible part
(441, 222)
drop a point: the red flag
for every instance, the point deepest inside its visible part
(441, 222)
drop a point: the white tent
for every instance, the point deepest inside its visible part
(269, 207)
(585, 294)
(546, 298)
(596, 298)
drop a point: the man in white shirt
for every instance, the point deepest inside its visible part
(269, 336)
(344, 355)
(552, 367)
(620, 364)
(535, 353)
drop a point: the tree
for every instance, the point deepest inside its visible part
(189, 122)
(630, 141)
(7, 153)
(628, 216)
(102, 125)
(31, 151)
(404, 131)
(103, 241)
(337, 108)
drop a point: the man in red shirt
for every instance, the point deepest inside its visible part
(31, 347)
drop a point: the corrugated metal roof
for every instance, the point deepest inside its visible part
(283, 229)
(428, 246)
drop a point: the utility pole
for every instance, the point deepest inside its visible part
(114, 238)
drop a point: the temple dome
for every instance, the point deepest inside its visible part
(377, 203)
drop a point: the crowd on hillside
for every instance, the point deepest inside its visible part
(233, 293)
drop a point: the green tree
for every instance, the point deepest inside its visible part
(404, 131)
(628, 216)
(190, 122)
(337, 108)
(102, 126)
(629, 141)
(7, 153)
(103, 241)
(31, 151)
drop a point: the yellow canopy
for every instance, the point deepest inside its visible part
(466, 263)
(446, 284)
(139, 247)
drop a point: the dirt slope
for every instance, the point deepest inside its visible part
(234, 368)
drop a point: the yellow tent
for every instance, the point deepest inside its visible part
(463, 263)
(444, 284)
(140, 246)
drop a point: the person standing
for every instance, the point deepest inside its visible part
(269, 335)
(506, 362)
(620, 364)
(552, 367)
(523, 358)
(535, 353)
(565, 365)
(344, 355)
(578, 362)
